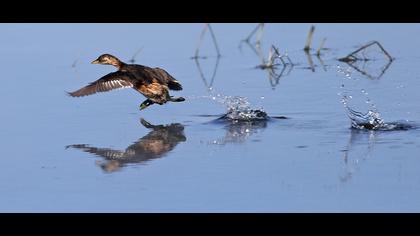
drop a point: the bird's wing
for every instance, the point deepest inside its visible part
(167, 79)
(115, 80)
(106, 153)
(163, 75)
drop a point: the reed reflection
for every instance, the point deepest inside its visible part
(358, 149)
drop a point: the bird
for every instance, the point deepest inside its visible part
(153, 83)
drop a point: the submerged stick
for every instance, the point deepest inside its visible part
(270, 66)
(206, 26)
(260, 33)
(321, 46)
(383, 70)
(197, 49)
(274, 78)
(209, 86)
(260, 27)
(321, 62)
(74, 63)
(214, 40)
(351, 57)
(74, 66)
(252, 33)
(271, 60)
(310, 61)
(133, 58)
(309, 39)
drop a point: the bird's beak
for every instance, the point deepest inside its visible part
(95, 61)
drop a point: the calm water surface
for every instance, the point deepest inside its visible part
(101, 154)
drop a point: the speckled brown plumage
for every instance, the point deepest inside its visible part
(153, 83)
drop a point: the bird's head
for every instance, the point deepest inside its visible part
(107, 59)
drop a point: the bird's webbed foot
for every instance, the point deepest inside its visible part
(145, 104)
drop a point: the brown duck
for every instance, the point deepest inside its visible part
(153, 83)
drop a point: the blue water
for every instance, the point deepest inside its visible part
(311, 162)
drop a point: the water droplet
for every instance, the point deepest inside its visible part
(262, 97)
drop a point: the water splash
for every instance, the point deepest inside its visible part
(371, 120)
(347, 72)
(239, 109)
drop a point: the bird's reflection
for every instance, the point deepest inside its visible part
(353, 156)
(156, 144)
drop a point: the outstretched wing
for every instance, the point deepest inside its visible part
(167, 79)
(106, 153)
(115, 80)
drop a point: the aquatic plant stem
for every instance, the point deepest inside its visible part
(309, 39)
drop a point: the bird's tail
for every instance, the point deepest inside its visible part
(174, 85)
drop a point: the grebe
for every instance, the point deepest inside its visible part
(153, 83)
